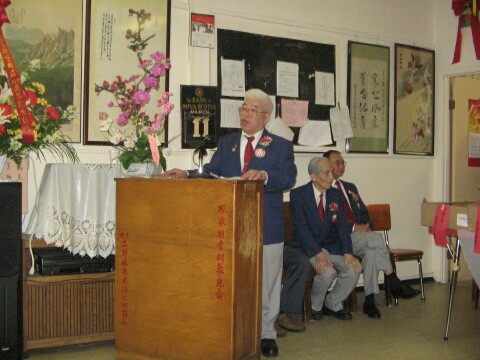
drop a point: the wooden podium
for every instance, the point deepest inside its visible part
(188, 269)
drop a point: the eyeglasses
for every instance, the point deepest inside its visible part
(249, 112)
(338, 163)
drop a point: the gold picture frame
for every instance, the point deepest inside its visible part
(108, 55)
(39, 29)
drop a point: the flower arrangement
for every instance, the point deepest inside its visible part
(133, 131)
(46, 120)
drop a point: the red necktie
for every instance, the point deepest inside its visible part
(349, 215)
(321, 210)
(248, 153)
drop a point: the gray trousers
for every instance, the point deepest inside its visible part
(346, 281)
(371, 248)
(271, 287)
(297, 266)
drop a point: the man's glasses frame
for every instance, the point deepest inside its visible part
(250, 112)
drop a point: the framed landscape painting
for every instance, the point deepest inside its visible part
(414, 100)
(49, 33)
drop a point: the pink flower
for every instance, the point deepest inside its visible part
(158, 70)
(110, 104)
(144, 63)
(141, 97)
(167, 108)
(150, 82)
(164, 98)
(122, 119)
(158, 56)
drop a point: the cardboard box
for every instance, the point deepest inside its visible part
(463, 215)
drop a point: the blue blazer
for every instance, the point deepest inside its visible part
(276, 158)
(309, 233)
(359, 209)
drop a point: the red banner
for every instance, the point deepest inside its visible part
(460, 9)
(26, 118)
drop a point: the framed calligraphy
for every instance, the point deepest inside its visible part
(50, 32)
(414, 100)
(108, 55)
(368, 97)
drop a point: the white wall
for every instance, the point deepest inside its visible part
(402, 181)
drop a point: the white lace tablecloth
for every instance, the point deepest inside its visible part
(75, 208)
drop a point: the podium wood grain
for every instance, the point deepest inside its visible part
(188, 269)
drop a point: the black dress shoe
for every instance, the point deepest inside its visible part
(372, 311)
(317, 315)
(340, 314)
(406, 292)
(269, 347)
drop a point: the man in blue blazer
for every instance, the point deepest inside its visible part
(255, 154)
(321, 231)
(367, 245)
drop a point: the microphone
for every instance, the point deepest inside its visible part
(201, 150)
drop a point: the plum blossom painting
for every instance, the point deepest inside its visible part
(414, 100)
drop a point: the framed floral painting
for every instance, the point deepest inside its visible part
(49, 34)
(414, 100)
(109, 54)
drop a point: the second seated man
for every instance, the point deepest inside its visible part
(367, 244)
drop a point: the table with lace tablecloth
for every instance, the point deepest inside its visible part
(75, 208)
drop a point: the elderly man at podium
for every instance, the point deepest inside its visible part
(255, 154)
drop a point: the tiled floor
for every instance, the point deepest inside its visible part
(413, 330)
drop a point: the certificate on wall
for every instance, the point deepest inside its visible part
(203, 30)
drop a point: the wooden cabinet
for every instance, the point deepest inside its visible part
(188, 269)
(65, 309)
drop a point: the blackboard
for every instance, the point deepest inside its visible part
(261, 53)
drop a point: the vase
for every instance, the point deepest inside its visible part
(145, 170)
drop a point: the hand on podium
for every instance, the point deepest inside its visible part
(175, 173)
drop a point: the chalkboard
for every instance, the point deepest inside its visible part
(261, 53)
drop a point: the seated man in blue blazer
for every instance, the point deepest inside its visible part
(321, 231)
(367, 245)
(255, 154)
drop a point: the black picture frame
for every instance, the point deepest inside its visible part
(107, 55)
(414, 100)
(368, 97)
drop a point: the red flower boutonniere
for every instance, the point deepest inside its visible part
(333, 207)
(265, 141)
(355, 196)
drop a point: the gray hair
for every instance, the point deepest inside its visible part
(314, 166)
(264, 99)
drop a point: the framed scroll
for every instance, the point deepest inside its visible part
(109, 56)
(368, 97)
